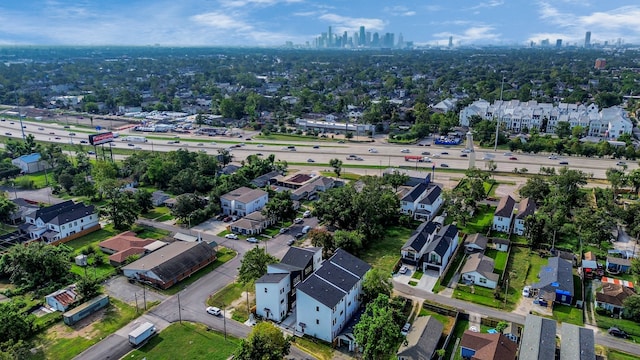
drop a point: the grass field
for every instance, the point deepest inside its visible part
(158, 213)
(93, 238)
(317, 348)
(458, 330)
(618, 355)
(66, 346)
(568, 314)
(187, 341)
(630, 326)
(480, 222)
(385, 254)
(500, 259)
(479, 295)
(226, 296)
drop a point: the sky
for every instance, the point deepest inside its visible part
(273, 22)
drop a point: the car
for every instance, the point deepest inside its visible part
(310, 160)
(66, 126)
(84, 142)
(299, 235)
(8, 133)
(466, 151)
(3, 119)
(553, 157)
(316, 146)
(214, 311)
(298, 220)
(341, 142)
(283, 230)
(444, 165)
(403, 269)
(464, 155)
(252, 240)
(621, 163)
(563, 163)
(52, 133)
(291, 241)
(227, 219)
(307, 214)
(405, 329)
(40, 128)
(513, 158)
(260, 145)
(11, 123)
(358, 158)
(213, 143)
(72, 134)
(444, 153)
(130, 144)
(405, 151)
(248, 139)
(507, 154)
(426, 153)
(436, 155)
(91, 152)
(526, 292)
(200, 144)
(614, 331)
(231, 236)
(112, 144)
(373, 151)
(138, 148)
(57, 137)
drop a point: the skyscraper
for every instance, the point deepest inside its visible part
(559, 43)
(362, 40)
(587, 39)
(450, 41)
(330, 40)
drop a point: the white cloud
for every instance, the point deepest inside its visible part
(221, 21)
(345, 23)
(257, 3)
(399, 10)
(472, 35)
(487, 4)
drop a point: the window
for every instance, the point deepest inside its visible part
(282, 301)
(483, 281)
(317, 308)
(265, 290)
(317, 321)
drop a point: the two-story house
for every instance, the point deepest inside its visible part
(423, 201)
(243, 201)
(503, 215)
(275, 291)
(526, 207)
(56, 222)
(414, 248)
(327, 300)
(438, 252)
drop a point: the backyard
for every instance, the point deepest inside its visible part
(385, 254)
(500, 260)
(481, 222)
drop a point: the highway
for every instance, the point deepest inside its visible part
(385, 154)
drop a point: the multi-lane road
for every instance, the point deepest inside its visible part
(317, 154)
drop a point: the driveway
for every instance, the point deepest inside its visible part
(132, 294)
(40, 195)
(426, 282)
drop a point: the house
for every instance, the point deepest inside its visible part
(484, 346)
(501, 244)
(475, 243)
(243, 201)
(439, 251)
(328, 299)
(31, 163)
(310, 190)
(23, 208)
(61, 300)
(612, 297)
(159, 197)
(252, 224)
(126, 244)
(172, 263)
(413, 250)
(556, 281)
(526, 207)
(57, 222)
(422, 340)
(538, 339)
(618, 265)
(423, 201)
(478, 270)
(275, 290)
(503, 214)
(264, 180)
(229, 169)
(578, 343)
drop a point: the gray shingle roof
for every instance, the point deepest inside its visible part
(481, 264)
(320, 290)
(526, 207)
(538, 339)
(478, 239)
(338, 276)
(557, 274)
(271, 278)
(297, 257)
(505, 207)
(63, 212)
(422, 339)
(439, 245)
(420, 235)
(578, 343)
(433, 193)
(350, 263)
(415, 193)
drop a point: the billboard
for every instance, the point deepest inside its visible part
(103, 138)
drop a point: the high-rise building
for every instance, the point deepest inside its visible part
(450, 41)
(400, 41)
(587, 39)
(330, 36)
(559, 43)
(367, 41)
(362, 39)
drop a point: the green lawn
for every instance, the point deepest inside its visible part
(224, 255)
(385, 254)
(481, 222)
(318, 348)
(67, 346)
(618, 355)
(94, 237)
(417, 275)
(98, 272)
(500, 259)
(38, 178)
(146, 232)
(458, 330)
(630, 326)
(158, 212)
(226, 296)
(568, 314)
(480, 295)
(187, 341)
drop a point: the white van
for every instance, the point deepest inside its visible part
(306, 229)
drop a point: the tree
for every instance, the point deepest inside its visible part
(534, 229)
(396, 179)
(616, 178)
(491, 166)
(376, 282)
(186, 205)
(121, 208)
(37, 265)
(144, 200)
(265, 342)
(7, 208)
(224, 157)
(254, 265)
(501, 326)
(280, 207)
(536, 188)
(349, 241)
(632, 307)
(563, 129)
(15, 325)
(336, 164)
(324, 239)
(88, 287)
(377, 332)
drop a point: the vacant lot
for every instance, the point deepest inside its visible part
(385, 254)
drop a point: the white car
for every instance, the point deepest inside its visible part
(553, 157)
(306, 214)
(231, 236)
(373, 151)
(405, 151)
(526, 292)
(260, 145)
(214, 311)
(252, 240)
(403, 269)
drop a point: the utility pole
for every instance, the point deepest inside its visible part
(224, 320)
(179, 309)
(495, 147)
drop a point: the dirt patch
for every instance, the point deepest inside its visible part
(241, 302)
(83, 328)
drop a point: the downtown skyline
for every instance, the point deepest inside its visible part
(301, 22)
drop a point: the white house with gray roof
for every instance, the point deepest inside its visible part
(56, 222)
(328, 299)
(478, 270)
(243, 201)
(503, 215)
(423, 201)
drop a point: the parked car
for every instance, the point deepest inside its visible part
(299, 235)
(526, 292)
(405, 329)
(252, 240)
(403, 269)
(214, 311)
(231, 236)
(614, 331)
(298, 220)
(283, 230)
(306, 214)
(291, 241)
